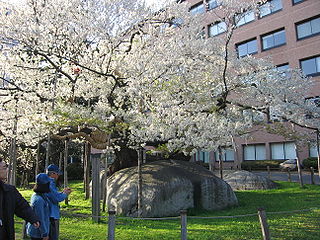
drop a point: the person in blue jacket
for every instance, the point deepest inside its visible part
(41, 207)
(55, 197)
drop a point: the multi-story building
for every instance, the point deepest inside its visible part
(288, 32)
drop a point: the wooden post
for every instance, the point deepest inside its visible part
(183, 216)
(139, 182)
(87, 170)
(111, 225)
(264, 224)
(95, 189)
(312, 175)
(289, 174)
(65, 164)
(269, 173)
(105, 182)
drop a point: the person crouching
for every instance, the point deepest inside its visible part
(40, 205)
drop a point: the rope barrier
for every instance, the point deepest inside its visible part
(63, 213)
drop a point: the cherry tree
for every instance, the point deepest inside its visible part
(120, 73)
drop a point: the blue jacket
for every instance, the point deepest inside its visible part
(54, 198)
(40, 205)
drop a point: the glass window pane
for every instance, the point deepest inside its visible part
(304, 30)
(267, 42)
(290, 151)
(249, 153)
(252, 46)
(229, 155)
(212, 4)
(277, 151)
(249, 16)
(242, 50)
(318, 64)
(315, 26)
(222, 27)
(309, 66)
(213, 30)
(279, 38)
(260, 152)
(265, 9)
(313, 151)
(276, 5)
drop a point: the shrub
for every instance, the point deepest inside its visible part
(75, 171)
(260, 164)
(310, 162)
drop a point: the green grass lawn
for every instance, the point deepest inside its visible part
(289, 196)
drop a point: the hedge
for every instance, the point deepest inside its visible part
(310, 162)
(260, 164)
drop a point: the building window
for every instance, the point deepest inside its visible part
(202, 156)
(197, 9)
(274, 39)
(284, 70)
(311, 66)
(283, 151)
(211, 4)
(227, 155)
(244, 18)
(217, 28)
(254, 152)
(270, 7)
(297, 1)
(313, 150)
(308, 28)
(247, 48)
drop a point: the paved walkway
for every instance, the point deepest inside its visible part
(283, 176)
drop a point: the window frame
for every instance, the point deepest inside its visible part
(309, 58)
(271, 11)
(303, 22)
(246, 42)
(272, 34)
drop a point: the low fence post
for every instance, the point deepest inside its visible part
(111, 225)
(264, 224)
(183, 215)
(312, 175)
(289, 175)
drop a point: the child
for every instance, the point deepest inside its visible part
(40, 205)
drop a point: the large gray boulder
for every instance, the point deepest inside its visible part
(244, 180)
(168, 187)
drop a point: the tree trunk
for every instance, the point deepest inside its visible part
(299, 167)
(140, 157)
(220, 163)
